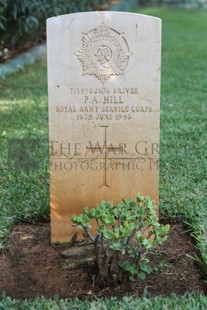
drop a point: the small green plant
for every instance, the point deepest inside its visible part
(126, 233)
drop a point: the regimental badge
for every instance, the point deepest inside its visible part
(104, 53)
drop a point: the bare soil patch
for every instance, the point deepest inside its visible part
(31, 267)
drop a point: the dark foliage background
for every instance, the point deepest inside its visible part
(23, 22)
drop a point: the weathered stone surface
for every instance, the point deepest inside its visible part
(78, 256)
(78, 251)
(104, 103)
(73, 264)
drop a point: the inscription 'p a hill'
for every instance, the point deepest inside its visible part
(104, 98)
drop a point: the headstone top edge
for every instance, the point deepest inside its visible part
(104, 13)
(104, 111)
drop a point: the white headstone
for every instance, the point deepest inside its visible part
(104, 111)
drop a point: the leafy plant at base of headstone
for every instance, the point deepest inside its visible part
(126, 233)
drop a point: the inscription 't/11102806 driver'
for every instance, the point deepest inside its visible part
(104, 53)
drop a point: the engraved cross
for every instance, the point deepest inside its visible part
(104, 150)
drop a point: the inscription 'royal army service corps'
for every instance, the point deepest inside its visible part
(104, 53)
(103, 87)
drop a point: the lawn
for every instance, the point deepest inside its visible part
(183, 163)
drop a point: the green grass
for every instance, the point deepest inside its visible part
(183, 151)
(187, 302)
(183, 167)
(23, 104)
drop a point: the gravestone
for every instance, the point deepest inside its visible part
(104, 109)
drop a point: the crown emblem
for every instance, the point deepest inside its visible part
(104, 53)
